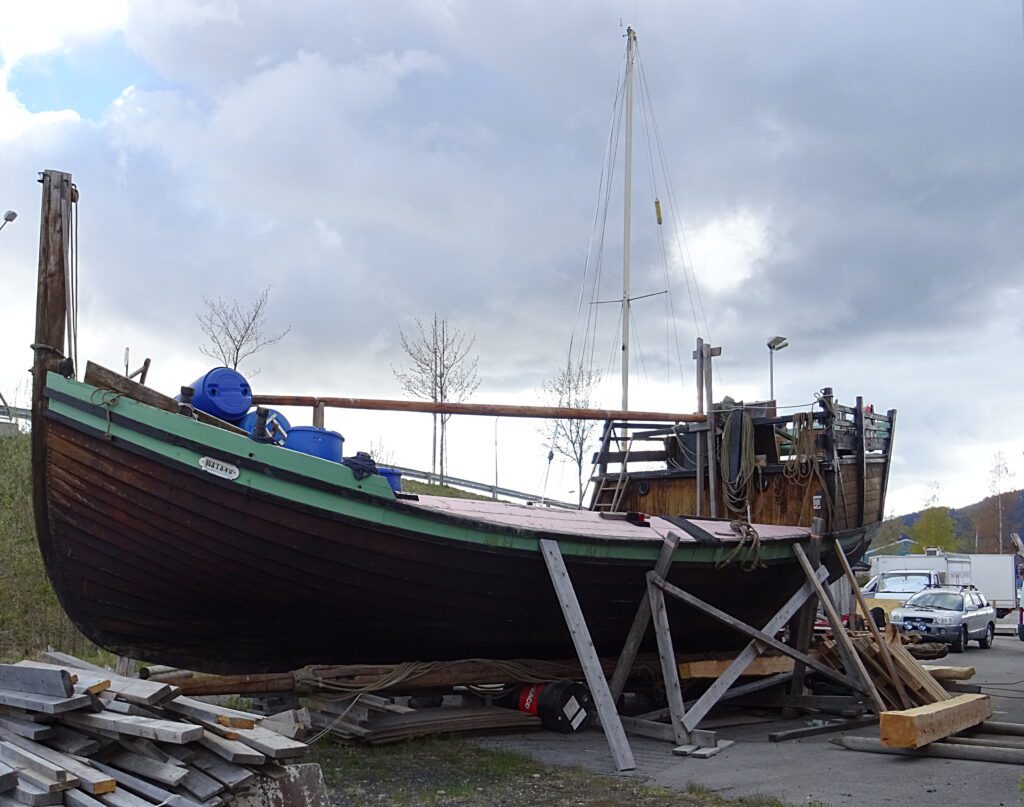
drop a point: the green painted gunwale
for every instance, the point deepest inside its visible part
(378, 507)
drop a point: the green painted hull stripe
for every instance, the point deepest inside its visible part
(224, 443)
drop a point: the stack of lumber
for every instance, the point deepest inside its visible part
(378, 720)
(87, 737)
(919, 685)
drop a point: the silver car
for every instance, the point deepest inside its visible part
(954, 614)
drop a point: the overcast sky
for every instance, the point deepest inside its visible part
(849, 175)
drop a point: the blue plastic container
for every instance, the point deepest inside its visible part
(277, 426)
(393, 475)
(223, 393)
(317, 442)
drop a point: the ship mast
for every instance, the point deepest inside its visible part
(627, 213)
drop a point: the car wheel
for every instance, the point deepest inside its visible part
(878, 615)
(961, 641)
(990, 634)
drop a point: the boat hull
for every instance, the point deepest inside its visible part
(167, 563)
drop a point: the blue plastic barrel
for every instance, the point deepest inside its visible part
(277, 426)
(223, 393)
(317, 442)
(393, 475)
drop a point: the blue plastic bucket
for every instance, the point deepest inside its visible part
(277, 426)
(317, 442)
(393, 475)
(223, 393)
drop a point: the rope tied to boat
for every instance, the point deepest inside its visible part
(108, 399)
(747, 549)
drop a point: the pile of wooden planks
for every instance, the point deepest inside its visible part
(86, 737)
(911, 680)
(378, 720)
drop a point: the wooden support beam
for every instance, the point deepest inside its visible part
(942, 672)
(803, 627)
(573, 614)
(914, 728)
(754, 633)
(883, 646)
(721, 687)
(713, 668)
(1011, 756)
(851, 659)
(641, 620)
(670, 675)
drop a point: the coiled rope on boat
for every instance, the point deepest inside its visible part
(747, 549)
(737, 493)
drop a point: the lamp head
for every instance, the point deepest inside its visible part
(777, 343)
(10, 215)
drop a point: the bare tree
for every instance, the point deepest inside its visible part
(998, 475)
(442, 369)
(235, 332)
(573, 386)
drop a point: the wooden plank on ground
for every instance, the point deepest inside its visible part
(48, 704)
(26, 728)
(73, 742)
(271, 743)
(203, 786)
(211, 712)
(914, 728)
(712, 668)
(135, 690)
(28, 793)
(160, 772)
(231, 750)
(942, 672)
(76, 798)
(90, 780)
(84, 680)
(56, 683)
(230, 775)
(67, 661)
(167, 731)
(26, 760)
(8, 777)
(144, 789)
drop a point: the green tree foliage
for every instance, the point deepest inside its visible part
(31, 619)
(934, 527)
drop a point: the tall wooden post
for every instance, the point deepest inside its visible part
(51, 313)
(709, 353)
(698, 355)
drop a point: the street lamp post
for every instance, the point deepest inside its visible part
(9, 216)
(775, 344)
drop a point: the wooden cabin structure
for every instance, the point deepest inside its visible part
(831, 462)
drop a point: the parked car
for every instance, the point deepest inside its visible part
(953, 614)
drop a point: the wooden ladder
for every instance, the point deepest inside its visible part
(617, 489)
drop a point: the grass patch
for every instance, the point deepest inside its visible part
(431, 489)
(31, 619)
(455, 772)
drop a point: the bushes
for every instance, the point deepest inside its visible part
(31, 619)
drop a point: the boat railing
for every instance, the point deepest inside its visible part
(840, 433)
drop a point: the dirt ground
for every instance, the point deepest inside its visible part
(445, 772)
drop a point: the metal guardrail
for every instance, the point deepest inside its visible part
(494, 490)
(15, 413)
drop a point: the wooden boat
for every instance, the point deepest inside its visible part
(187, 543)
